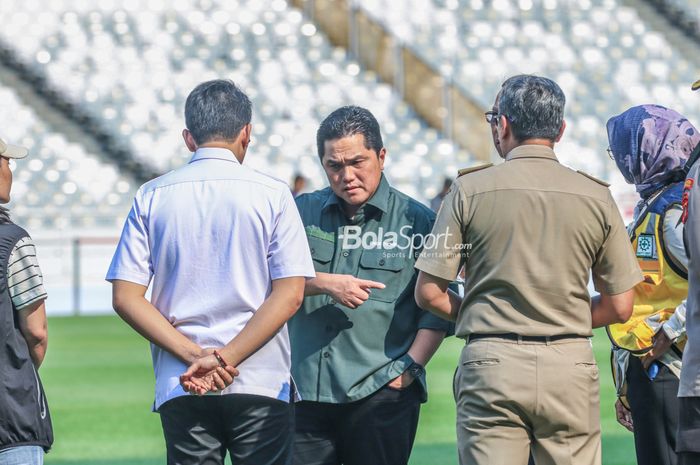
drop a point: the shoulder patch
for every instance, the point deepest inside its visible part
(464, 171)
(593, 178)
(686, 198)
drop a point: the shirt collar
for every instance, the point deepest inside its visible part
(532, 151)
(214, 152)
(379, 200)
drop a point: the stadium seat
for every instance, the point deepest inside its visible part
(579, 43)
(132, 68)
(60, 187)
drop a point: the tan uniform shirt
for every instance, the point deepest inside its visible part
(529, 232)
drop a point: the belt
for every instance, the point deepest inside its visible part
(519, 338)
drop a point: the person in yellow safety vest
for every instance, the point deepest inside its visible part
(650, 145)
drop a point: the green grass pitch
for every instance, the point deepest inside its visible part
(99, 383)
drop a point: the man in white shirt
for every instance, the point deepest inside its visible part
(228, 256)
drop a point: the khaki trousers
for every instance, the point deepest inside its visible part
(513, 397)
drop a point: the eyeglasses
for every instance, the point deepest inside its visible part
(491, 117)
(610, 153)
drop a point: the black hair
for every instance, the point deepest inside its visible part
(217, 110)
(533, 105)
(348, 121)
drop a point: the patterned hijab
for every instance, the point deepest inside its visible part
(650, 145)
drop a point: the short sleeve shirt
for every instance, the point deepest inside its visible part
(212, 236)
(24, 278)
(529, 232)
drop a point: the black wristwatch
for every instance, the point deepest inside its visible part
(416, 370)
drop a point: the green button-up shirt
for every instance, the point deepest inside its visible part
(340, 354)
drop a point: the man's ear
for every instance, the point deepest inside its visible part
(382, 155)
(561, 131)
(245, 135)
(189, 140)
(503, 127)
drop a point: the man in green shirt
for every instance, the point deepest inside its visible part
(359, 341)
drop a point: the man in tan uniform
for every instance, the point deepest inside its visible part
(528, 232)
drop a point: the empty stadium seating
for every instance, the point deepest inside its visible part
(600, 51)
(132, 64)
(60, 187)
(684, 13)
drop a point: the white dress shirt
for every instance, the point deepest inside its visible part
(213, 235)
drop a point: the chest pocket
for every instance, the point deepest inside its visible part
(381, 266)
(321, 253)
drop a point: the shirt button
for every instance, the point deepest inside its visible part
(381, 262)
(346, 253)
(326, 355)
(313, 251)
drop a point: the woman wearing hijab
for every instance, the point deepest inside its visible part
(650, 145)
(25, 423)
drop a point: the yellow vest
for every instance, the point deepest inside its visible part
(664, 287)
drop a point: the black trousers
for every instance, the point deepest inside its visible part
(689, 431)
(255, 430)
(654, 406)
(377, 430)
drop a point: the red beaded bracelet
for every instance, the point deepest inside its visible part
(220, 359)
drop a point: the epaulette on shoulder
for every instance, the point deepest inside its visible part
(593, 178)
(464, 171)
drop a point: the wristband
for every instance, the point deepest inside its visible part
(220, 359)
(416, 370)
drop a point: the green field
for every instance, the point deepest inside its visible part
(99, 383)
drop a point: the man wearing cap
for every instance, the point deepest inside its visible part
(528, 231)
(688, 440)
(25, 425)
(359, 341)
(226, 250)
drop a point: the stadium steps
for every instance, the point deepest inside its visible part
(64, 117)
(427, 89)
(684, 37)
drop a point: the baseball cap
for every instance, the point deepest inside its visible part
(12, 151)
(696, 85)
